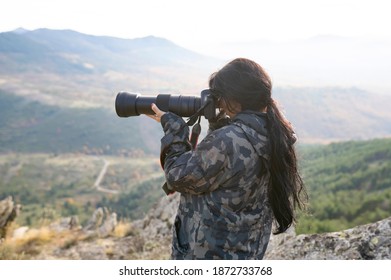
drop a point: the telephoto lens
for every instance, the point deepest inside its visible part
(133, 104)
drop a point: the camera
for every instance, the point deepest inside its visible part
(133, 104)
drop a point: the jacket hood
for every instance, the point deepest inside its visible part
(254, 126)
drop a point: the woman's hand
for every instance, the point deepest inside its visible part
(158, 113)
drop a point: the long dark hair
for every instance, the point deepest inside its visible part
(247, 83)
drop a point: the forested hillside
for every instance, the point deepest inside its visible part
(349, 184)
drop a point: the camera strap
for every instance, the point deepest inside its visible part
(197, 115)
(195, 133)
(196, 130)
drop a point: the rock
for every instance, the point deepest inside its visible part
(371, 241)
(102, 223)
(277, 240)
(160, 219)
(108, 225)
(68, 223)
(8, 212)
(19, 232)
(95, 221)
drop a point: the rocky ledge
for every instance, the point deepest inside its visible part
(150, 238)
(366, 242)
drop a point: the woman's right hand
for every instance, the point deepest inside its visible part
(158, 113)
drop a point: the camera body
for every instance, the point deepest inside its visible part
(210, 103)
(133, 104)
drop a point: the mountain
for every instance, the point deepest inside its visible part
(99, 54)
(58, 87)
(67, 68)
(335, 114)
(100, 50)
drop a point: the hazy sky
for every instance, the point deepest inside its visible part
(202, 25)
(230, 28)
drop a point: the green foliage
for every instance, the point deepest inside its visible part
(348, 183)
(138, 201)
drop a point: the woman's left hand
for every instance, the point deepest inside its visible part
(158, 113)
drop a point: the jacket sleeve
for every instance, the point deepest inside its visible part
(191, 171)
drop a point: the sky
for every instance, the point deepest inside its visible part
(203, 25)
(274, 33)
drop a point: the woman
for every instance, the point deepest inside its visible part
(242, 175)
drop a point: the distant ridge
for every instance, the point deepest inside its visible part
(20, 30)
(102, 51)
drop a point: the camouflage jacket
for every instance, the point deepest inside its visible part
(224, 211)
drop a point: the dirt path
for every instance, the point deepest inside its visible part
(100, 177)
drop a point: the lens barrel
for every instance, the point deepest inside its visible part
(132, 104)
